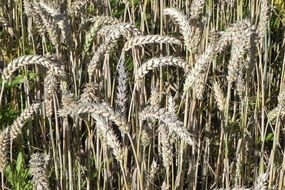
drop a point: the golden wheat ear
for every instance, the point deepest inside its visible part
(99, 109)
(170, 120)
(160, 61)
(114, 33)
(4, 141)
(97, 22)
(150, 39)
(38, 165)
(16, 127)
(31, 60)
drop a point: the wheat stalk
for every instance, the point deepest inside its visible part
(30, 60)
(148, 39)
(160, 61)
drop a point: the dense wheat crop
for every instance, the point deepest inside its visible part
(142, 94)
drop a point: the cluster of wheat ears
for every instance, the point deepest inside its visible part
(167, 95)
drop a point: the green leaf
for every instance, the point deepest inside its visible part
(269, 137)
(19, 162)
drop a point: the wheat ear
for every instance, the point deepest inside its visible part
(77, 7)
(4, 141)
(196, 9)
(30, 60)
(148, 39)
(38, 165)
(58, 19)
(97, 23)
(122, 89)
(16, 127)
(101, 109)
(109, 137)
(160, 61)
(262, 182)
(170, 120)
(112, 37)
(241, 43)
(183, 24)
(280, 108)
(44, 19)
(200, 67)
(166, 147)
(219, 96)
(50, 86)
(151, 174)
(263, 20)
(90, 93)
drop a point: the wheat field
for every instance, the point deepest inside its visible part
(142, 94)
